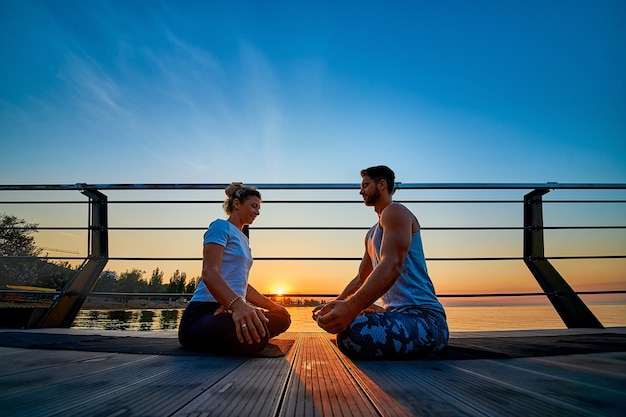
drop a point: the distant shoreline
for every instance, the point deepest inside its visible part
(98, 303)
(115, 303)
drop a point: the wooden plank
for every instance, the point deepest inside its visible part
(316, 385)
(314, 379)
(487, 387)
(570, 392)
(30, 369)
(385, 404)
(253, 389)
(401, 380)
(58, 391)
(323, 384)
(145, 385)
(15, 360)
(607, 368)
(175, 383)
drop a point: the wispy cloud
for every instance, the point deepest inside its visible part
(94, 90)
(261, 94)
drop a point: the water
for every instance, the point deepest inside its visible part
(460, 319)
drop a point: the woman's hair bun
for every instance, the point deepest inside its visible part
(236, 190)
(232, 188)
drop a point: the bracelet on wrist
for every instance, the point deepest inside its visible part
(233, 301)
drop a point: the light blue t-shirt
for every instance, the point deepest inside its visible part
(413, 288)
(236, 262)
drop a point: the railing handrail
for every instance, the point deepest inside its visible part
(315, 186)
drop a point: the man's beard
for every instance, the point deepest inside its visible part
(372, 198)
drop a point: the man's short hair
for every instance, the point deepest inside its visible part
(381, 172)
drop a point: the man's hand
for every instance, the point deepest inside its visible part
(335, 316)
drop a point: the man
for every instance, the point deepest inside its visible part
(411, 322)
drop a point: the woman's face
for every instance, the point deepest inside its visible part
(249, 209)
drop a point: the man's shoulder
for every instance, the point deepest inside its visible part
(396, 213)
(396, 209)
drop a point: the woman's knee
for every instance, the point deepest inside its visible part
(279, 323)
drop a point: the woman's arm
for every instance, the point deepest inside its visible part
(212, 255)
(243, 314)
(262, 301)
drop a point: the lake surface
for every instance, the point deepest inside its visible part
(460, 319)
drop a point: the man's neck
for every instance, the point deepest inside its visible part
(382, 203)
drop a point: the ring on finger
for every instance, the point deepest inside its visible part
(244, 325)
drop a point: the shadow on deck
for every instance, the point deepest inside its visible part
(120, 373)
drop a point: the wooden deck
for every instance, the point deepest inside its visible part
(315, 379)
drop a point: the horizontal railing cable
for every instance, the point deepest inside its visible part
(451, 228)
(302, 295)
(43, 202)
(319, 258)
(321, 187)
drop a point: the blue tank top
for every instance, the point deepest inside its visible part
(413, 288)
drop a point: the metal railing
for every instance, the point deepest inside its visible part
(66, 302)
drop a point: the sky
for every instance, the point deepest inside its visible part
(312, 92)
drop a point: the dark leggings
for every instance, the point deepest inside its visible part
(200, 329)
(394, 335)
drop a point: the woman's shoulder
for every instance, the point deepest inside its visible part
(218, 222)
(221, 224)
(218, 226)
(219, 232)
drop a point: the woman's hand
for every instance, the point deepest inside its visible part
(249, 322)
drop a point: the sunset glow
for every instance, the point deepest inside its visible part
(202, 92)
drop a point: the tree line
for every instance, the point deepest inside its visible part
(21, 264)
(134, 281)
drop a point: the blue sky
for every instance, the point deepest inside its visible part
(208, 91)
(293, 92)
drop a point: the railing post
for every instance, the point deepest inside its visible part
(69, 302)
(573, 311)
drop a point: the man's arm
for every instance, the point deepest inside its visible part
(396, 223)
(365, 268)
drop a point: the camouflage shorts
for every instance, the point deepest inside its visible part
(394, 335)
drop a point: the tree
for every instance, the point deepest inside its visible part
(191, 287)
(131, 281)
(19, 262)
(16, 237)
(156, 281)
(107, 282)
(53, 274)
(177, 282)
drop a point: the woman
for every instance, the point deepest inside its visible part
(224, 316)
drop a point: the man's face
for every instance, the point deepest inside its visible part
(369, 191)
